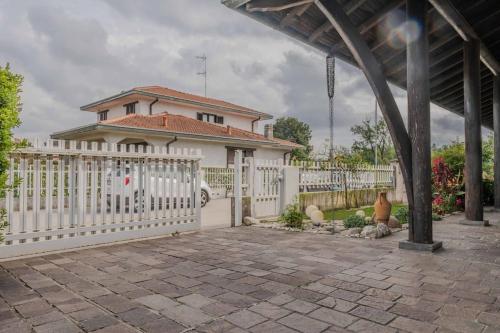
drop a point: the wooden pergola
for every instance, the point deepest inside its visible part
(452, 61)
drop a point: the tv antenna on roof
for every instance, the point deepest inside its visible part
(204, 73)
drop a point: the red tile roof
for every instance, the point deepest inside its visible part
(158, 90)
(186, 125)
(167, 93)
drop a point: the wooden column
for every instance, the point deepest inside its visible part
(472, 114)
(496, 128)
(419, 124)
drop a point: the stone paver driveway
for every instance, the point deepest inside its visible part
(256, 280)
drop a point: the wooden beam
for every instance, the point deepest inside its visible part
(293, 14)
(349, 8)
(274, 5)
(373, 72)
(472, 113)
(374, 19)
(419, 125)
(234, 4)
(466, 31)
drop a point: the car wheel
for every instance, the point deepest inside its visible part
(204, 198)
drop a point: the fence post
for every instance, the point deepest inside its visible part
(197, 204)
(289, 191)
(251, 184)
(238, 170)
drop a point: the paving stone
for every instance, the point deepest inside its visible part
(46, 318)
(156, 301)
(119, 328)
(61, 326)
(186, 315)
(269, 310)
(163, 325)
(301, 306)
(413, 326)
(306, 295)
(413, 313)
(346, 295)
(245, 319)
(138, 316)
(73, 305)
(376, 315)
(271, 326)
(195, 300)
(281, 299)
(333, 317)
(375, 302)
(218, 309)
(459, 325)
(240, 301)
(369, 326)
(35, 308)
(96, 323)
(488, 318)
(115, 303)
(303, 324)
(17, 326)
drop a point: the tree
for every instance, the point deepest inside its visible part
(292, 129)
(10, 88)
(373, 137)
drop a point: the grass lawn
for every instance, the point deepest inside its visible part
(340, 214)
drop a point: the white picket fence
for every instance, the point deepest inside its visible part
(79, 193)
(318, 176)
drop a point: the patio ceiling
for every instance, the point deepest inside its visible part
(448, 20)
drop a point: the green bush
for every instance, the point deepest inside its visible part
(293, 217)
(402, 214)
(436, 217)
(354, 221)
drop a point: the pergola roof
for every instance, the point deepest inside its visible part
(303, 21)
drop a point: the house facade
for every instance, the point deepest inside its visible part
(157, 115)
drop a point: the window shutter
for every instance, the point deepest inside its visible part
(199, 116)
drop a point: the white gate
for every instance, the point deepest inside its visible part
(80, 193)
(258, 180)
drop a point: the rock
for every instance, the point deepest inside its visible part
(382, 230)
(368, 220)
(317, 217)
(310, 209)
(369, 231)
(353, 231)
(393, 222)
(248, 220)
(361, 213)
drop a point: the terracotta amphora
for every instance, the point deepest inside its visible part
(382, 208)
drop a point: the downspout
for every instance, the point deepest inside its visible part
(255, 120)
(168, 144)
(151, 106)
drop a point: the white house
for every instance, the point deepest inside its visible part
(161, 116)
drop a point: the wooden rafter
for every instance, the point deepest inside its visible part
(274, 5)
(466, 31)
(293, 14)
(349, 8)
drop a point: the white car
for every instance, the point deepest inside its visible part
(177, 191)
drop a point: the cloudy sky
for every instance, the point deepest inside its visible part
(75, 52)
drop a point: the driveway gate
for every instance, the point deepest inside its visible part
(74, 194)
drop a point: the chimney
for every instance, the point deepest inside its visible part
(229, 131)
(164, 120)
(268, 131)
